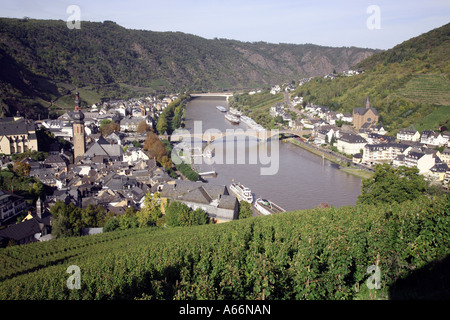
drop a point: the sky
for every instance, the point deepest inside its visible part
(377, 24)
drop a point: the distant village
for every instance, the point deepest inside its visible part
(109, 170)
(359, 136)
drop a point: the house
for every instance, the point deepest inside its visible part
(130, 124)
(34, 227)
(408, 135)
(433, 139)
(45, 175)
(347, 117)
(116, 138)
(17, 135)
(424, 162)
(215, 200)
(445, 155)
(134, 154)
(437, 172)
(324, 134)
(350, 143)
(383, 152)
(56, 162)
(103, 148)
(11, 205)
(365, 117)
(375, 138)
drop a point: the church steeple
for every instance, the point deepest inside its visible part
(367, 103)
(77, 101)
(79, 144)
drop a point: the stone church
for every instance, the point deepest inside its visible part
(365, 118)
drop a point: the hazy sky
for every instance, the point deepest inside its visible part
(330, 22)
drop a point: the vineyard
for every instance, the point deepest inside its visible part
(310, 254)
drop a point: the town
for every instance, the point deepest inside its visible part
(106, 166)
(97, 157)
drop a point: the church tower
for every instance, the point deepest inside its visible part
(79, 144)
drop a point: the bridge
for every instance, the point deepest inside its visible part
(227, 95)
(212, 135)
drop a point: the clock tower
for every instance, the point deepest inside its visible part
(79, 144)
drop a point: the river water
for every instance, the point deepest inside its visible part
(294, 178)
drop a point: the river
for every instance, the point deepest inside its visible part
(302, 180)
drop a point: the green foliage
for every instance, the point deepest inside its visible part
(68, 220)
(245, 210)
(28, 187)
(170, 118)
(151, 211)
(311, 254)
(392, 185)
(180, 215)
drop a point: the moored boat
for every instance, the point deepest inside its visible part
(232, 118)
(267, 207)
(235, 112)
(242, 193)
(221, 109)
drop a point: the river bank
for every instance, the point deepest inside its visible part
(360, 173)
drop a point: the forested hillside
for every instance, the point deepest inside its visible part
(408, 84)
(42, 60)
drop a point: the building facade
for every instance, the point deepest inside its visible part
(365, 117)
(17, 135)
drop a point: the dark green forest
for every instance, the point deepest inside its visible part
(43, 60)
(409, 84)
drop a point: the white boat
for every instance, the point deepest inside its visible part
(221, 109)
(267, 207)
(232, 118)
(242, 193)
(235, 112)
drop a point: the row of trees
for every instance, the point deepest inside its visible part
(177, 214)
(171, 118)
(68, 220)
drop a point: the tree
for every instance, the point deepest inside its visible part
(162, 125)
(151, 210)
(21, 169)
(143, 127)
(92, 216)
(67, 218)
(198, 217)
(245, 210)
(392, 185)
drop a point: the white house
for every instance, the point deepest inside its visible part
(431, 138)
(383, 152)
(350, 143)
(408, 135)
(424, 162)
(134, 154)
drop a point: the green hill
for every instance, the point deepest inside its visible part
(310, 254)
(42, 60)
(406, 83)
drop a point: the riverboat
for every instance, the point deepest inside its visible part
(242, 193)
(267, 207)
(235, 112)
(232, 118)
(221, 109)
